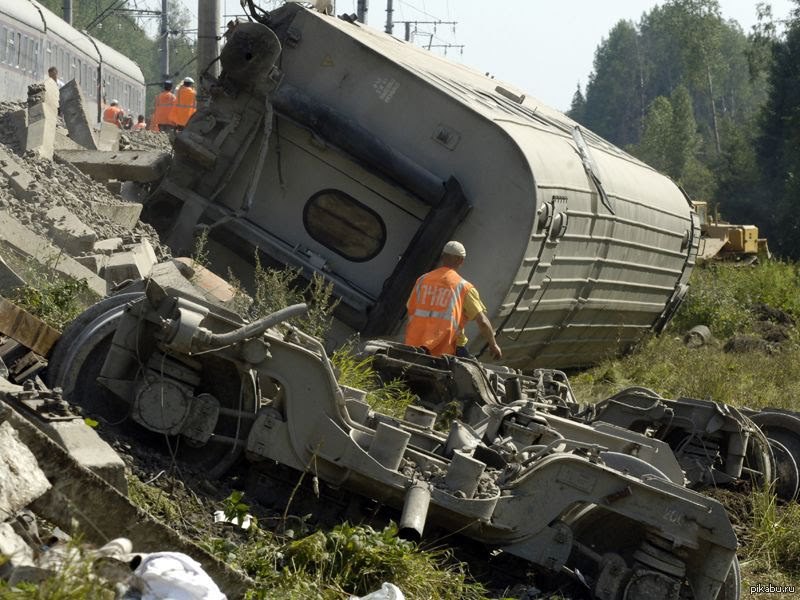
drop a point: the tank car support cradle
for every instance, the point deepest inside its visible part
(311, 421)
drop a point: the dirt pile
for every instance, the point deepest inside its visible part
(61, 185)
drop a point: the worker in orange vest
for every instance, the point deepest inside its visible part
(162, 115)
(113, 114)
(440, 305)
(140, 124)
(185, 103)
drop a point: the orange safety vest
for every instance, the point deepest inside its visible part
(436, 311)
(185, 105)
(111, 115)
(162, 115)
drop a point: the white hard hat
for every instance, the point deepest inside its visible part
(454, 248)
(113, 102)
(188, 80)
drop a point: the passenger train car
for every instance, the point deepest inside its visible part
(33, 39)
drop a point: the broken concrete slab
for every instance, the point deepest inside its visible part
(108, 139)
(108, 246)
(19, 181)
(26, 243)
(125, 165)
(93, 262)
(88, 449)
(69, 232)
(42, 118)
(25, 328)
(105, 513)
(53, 415)
(72, 109)
(134, 263)
(208, 281)
(16, 552)
(21, 479)
(124, 214)
(63, 142)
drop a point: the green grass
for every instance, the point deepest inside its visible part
(74, 579)
(325, 564)
(720, 297)
(388, 397)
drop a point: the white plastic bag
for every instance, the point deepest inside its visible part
(388, 591)
(173, 576)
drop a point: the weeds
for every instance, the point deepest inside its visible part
(277, 288)
(72, 578)
(772, 537)
(721, 294)
(57, 302)
(390, 398)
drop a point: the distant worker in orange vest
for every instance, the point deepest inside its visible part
(185, 103)
(113, 114)
(162, 115)
(140, 124)
(440, 305)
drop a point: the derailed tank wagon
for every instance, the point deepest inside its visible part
(340, 150)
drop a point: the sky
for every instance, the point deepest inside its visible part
(542, 47)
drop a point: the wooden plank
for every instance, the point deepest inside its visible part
(23, 327)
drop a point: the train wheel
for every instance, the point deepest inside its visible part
(782, 429)
(78, 360)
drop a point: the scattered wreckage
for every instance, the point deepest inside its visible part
(593, 501)
(715, 444)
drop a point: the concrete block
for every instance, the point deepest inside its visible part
(125, 165)
(27, 243)
(28, 330)
(15, 551)
(41, 129)
(88, 449)
(108, 246)
(108, 139)
(69, 232)
(9, 279)
(124, 214)
(18, 179)
(75, 117)
(135, 263)
(210, 282)
(21, 479)
(93, 262)
(63, 142)
(19, 122)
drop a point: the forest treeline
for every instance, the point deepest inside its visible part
(712, 106)
(112, 22)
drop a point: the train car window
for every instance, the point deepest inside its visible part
(340, 222)
(36, 70)
(3, 43)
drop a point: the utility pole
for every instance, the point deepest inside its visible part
(68, 11)
(207, 31)
(361, 11)
(164, 41)
(408, 25)
(389, 22)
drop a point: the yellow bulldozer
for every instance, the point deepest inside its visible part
(720, 240)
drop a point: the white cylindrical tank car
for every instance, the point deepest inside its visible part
(375, 152)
